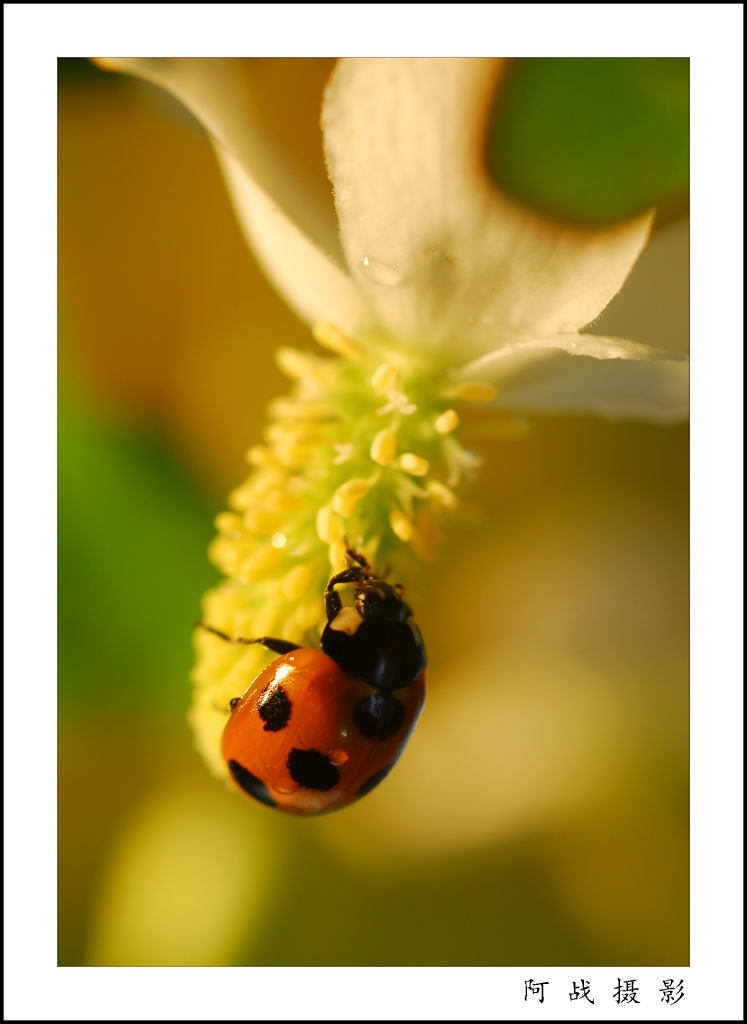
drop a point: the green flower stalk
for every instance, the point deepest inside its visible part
(431, 288)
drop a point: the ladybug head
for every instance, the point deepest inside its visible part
(376, 639)
(375, 599)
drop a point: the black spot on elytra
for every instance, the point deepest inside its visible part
(379, 712)
(251, 784)
(373, 782)
(312, 770)
(274, 708)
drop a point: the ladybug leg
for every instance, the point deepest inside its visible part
(360, 559)
(231, 705)
(332, 600)
(332, 604)
(271, 643)
(347, 576)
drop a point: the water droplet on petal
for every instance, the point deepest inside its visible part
(380, 272)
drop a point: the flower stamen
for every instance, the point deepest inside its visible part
(384, 447)
(401, 525)
(387, 379)
(413, 464)
(327, 525)
(442, 494)
(336, 341)
(447, 422)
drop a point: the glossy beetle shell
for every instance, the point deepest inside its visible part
(307, 737)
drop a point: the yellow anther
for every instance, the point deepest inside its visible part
(387, 378)
(317, 411)
(295, 433)
(290, 630)
(258, 455)
(281, 433)
(384, 447)
(284, 409)
(265, 622)
(262, 564)
(440, 493)
(400, 524)
(475, 391)
(252, 492)
(294, 456)
(282, 501)
(290, 409)
(447, 421)
(413, 464)
(241, 497)
(260, 521)
(328, 525)
(357, 488)
(296, 364)
(296, 583)
(241, 624)
(335, 340)
(343, 506)
(228, 522)
(227, 555)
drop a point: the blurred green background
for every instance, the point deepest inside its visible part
(540, 813)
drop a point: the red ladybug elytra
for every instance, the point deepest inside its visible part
(316, 730)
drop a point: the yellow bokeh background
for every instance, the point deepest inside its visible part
(539, 814)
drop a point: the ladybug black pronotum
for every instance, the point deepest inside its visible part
(316, 730)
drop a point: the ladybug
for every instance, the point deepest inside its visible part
(317, 729)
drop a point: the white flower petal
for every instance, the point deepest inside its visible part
(582, 373)
(445, 260)
(282, 216)
(309, 282)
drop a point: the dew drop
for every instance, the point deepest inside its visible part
(380, 272)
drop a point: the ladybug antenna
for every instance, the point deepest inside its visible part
(355, 556)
